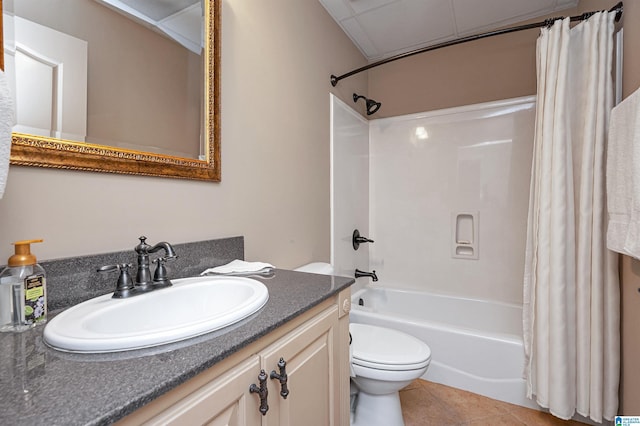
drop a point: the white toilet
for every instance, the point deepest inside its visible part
(383, 361)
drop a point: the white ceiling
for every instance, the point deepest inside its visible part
(383, 28)
(179, 20)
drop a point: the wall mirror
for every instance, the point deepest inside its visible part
(119, 86)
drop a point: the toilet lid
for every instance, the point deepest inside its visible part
(387, 349)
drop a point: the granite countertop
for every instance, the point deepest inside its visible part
(39, 385)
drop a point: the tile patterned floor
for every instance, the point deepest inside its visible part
(426, 403)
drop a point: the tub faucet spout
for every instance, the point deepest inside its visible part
(372, 275)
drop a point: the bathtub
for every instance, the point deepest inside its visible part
(476, 345)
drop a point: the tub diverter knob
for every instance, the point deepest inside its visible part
(357, 239)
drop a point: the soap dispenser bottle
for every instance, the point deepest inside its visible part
(23, 295)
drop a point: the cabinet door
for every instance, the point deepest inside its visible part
(312, 367)
(225, 401)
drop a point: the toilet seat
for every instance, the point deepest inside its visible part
(386, 349)
(388, 367)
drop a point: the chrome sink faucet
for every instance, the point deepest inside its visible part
(143, 281)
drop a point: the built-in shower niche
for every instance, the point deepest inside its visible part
(464, 235)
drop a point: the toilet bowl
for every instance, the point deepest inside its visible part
(383, 361)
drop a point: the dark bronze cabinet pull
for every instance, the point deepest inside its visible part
(282, 377)
(261, 391)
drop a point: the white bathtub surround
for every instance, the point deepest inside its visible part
(448, 199)
(349, 188)
(571, 293)
(442, 184)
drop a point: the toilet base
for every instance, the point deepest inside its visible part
(378, 410)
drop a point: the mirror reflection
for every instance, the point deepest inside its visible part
(123, 73)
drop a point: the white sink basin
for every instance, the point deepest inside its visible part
(191, 307)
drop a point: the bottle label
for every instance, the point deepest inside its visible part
(35, 307)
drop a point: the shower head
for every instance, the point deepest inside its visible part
(372, 106)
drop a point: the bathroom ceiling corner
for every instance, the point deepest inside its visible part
(179, 20)
(384, 28)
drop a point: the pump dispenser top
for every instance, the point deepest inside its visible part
(23, 255)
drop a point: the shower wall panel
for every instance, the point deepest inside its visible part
(349, 188)
(431, 170)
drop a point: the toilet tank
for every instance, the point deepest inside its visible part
(316, 268)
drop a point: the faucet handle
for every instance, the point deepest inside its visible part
(357, 239)
(160, 276)
(125, 286)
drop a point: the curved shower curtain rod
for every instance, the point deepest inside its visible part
(546, 23)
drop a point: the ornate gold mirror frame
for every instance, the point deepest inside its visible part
(29, 150)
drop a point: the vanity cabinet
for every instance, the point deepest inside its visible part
(223, 401)
(315, 349)
(312, 368)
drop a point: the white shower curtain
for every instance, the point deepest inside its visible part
(571, 293)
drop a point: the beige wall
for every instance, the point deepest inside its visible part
(480, 71)
(490, 69)
(277, 58)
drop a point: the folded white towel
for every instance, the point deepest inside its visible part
(7, 121)
(238, 267)
(623, 177)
